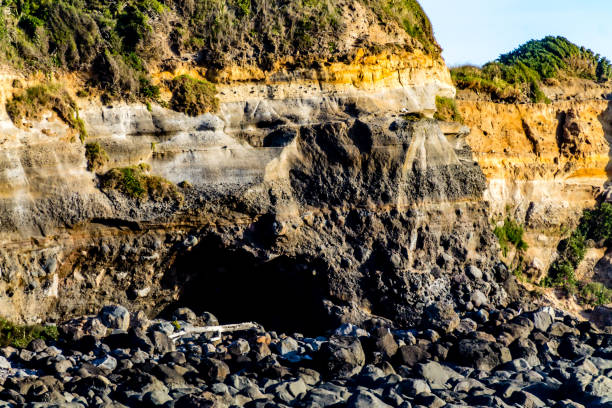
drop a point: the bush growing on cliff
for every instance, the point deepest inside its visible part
(510, 233)
(446, 109)
(193, 96)
(117, 42)
(518, 75)
(595, 294)
(96, 156)
(82, 35)
(20, 336)
(135, 182)
(411, 16)
(594, 225)
(33, 102)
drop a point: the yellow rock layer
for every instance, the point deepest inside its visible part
(385, 70)
(525, 141)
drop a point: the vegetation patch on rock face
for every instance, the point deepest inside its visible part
(96, 156)
(193, 96)
(34, 101)
(446, 109)
(110, 39)
(135, 182)
(595, 225)
(517, 76)
(117, 43)
(411, 16)
(510, 233)
(21, 335)
(596, 293)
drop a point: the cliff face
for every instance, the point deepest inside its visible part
(544, 163)
(307, 196)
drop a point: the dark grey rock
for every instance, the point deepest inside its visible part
(441, 316)
(341, 356)
(115, 317)
(185, 314)
(436, 373)
(365, 399)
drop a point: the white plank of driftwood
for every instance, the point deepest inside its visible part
(215, 329)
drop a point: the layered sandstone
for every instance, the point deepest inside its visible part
(544, 163)
(307, 196)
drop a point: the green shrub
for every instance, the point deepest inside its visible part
(20, 336)
(34, 101)
(446, 109)
(517, 76)
(411, 16)
(95, 155)
(81, 35)
(135, 182)
(193, 96)
(595, 294)
(510, 233)
(596, 225)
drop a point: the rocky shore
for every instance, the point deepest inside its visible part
(485, 357)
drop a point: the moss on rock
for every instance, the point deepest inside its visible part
(193, 96)
(34, 101)
(135, 183)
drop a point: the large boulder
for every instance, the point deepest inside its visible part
(341, 356)
(115, 317)
(410, 355)
(213, 370)
(436, 373)
(441, 316)
(542, 319)
(479, 354)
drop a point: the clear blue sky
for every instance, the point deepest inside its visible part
(477, 31)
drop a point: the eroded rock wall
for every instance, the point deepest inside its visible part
(544, 163)
(309, 198)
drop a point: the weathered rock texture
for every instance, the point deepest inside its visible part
(544, 163)
(308, 196)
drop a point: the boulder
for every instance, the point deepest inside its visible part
(479, 354)
(410, 355)
(365, 399)
(161, 342)
(239, 347)
(185, 314)
(542, 319)
(115, 317)
(436, 373)
(413, 387)
(441, 316)
(341, 356)
(213, 370)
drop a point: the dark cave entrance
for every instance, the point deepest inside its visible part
(283, 294)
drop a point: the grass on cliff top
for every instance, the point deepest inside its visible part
(446, 109)
(517, 76)
(113, 40)
(595, 225)
(411, 16)
(135, 183)
(117, 42)
(20, 336)
(34, 101)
